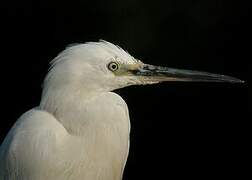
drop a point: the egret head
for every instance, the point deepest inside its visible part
(103, 66)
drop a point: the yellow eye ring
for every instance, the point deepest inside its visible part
(113, 66)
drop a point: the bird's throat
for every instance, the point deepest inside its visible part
(69, 107)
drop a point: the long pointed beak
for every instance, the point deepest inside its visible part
(159, 74)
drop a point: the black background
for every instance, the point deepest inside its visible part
(189, 130)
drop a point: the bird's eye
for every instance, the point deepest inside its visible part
(113, 66)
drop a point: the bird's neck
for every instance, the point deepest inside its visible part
(99, 133)
(67, 105)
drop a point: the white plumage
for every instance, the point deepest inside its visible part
(80, 130)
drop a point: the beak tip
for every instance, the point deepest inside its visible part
(239, 81)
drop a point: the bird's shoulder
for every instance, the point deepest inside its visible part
(36, 122)
(35, 135)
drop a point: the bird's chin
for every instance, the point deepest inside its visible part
(142, 80)
(148, 80)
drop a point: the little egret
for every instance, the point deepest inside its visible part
(80, 130)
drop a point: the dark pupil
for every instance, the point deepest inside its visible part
(113, 66)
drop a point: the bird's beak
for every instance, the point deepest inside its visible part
(155, 74)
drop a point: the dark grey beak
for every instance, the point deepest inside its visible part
(159, 74)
